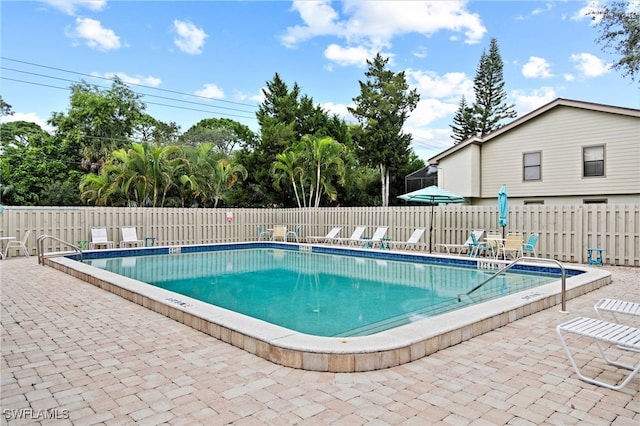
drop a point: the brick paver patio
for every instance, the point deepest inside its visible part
(90, 357)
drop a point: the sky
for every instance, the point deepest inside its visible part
(192, 60)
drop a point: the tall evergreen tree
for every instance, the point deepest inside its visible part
(491, 99)
(464, 125)
(382, 107)
(490, 106)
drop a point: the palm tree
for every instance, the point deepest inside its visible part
(224, 177)
(286, 167)
(324, 156)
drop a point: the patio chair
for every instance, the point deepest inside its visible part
(263, 234)
(377, 237)
(512, 247)
(459, 248)
(331, 236)
(293, 234)
(21, 244)
(412, 243)
(476, 247)
(603, 332)
(615, 306)
(355, 238)
(130, 237)
(99, 239)
(279, 233)
(530, 245)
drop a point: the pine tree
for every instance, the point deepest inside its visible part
(463, 122)
(490, 105)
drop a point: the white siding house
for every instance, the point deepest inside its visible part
(565, 152)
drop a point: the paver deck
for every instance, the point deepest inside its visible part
(85, 356)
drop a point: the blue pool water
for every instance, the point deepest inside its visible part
(319, 294)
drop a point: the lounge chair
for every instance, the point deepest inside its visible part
(99, 239)
(615, 306)
(293, 234)
(603, 332)
(512, 247)
(130, 237)
(262, 234)
(355, 238)
(331, 236)
(21, 244)
(279, 233)
(459, 248)
(412, 243)
(530, 245)
(377, 237)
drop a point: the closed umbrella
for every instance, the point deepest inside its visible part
(503, 208)
(432, 195)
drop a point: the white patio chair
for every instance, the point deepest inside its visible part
(21, 244)
(130, 237)
(99, 239)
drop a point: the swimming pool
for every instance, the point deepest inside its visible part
(279, 344)
(320, 294)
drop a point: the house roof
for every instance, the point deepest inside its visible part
(533, 114)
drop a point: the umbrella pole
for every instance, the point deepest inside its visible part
(431, 231)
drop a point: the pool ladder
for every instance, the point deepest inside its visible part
(512, 264)
(40, 248)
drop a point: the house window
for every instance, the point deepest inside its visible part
(532, 165)
(593, 160)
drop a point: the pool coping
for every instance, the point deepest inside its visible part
(282, 346)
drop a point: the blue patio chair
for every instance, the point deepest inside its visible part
(530, 245)
(263, 235)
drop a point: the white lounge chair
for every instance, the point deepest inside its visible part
(21, 244)
(355, 237)
(412, 243)
(603, 332)
(130, 237)
(331, 236)
(377, 237)
(459, 248)
(99, 239)
(615, 306)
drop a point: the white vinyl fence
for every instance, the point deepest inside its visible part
(565, 231)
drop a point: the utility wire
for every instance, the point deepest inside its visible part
(130, 84)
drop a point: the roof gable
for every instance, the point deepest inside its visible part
(531, 115)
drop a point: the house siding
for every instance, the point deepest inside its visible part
(560, 134)
(459, 174)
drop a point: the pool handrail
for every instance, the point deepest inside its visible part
(40, 247)
(512, 264)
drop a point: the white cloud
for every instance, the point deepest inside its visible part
(71, 6)
(430, 84)
(190, 39)
(569, 77)
(141, 80)
(210, 91)
(94, 35)
(536, 68)
(429, 110)
(591, 10)
(540, 10)
(528, 101)
(30, 117)
(340, 110)
(373, 24)
(348, 55)
(590, 65)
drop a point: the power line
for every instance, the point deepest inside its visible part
(131, 84)
(141, 94)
